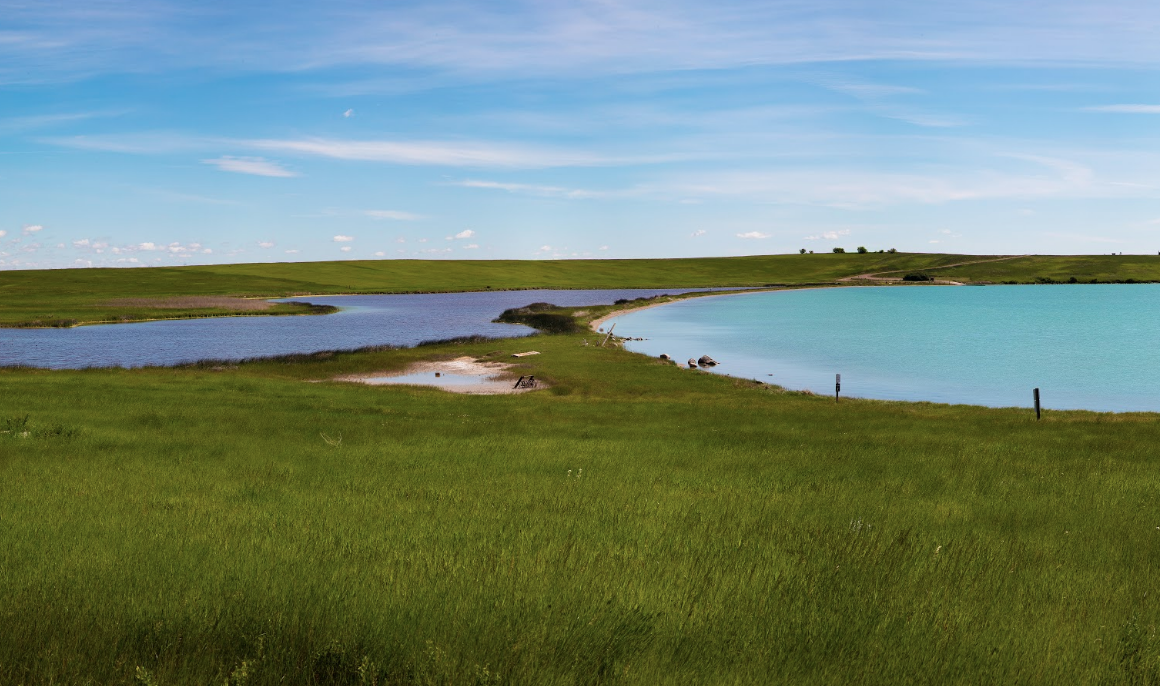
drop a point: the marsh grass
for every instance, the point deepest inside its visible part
(644, 524)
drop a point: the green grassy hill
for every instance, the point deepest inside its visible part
(71, 296)
(82, 295)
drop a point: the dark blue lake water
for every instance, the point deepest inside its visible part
(364, 320)
(1093, 347)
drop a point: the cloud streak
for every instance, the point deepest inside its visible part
(1125, 109)
(254, 166)
(70, 39)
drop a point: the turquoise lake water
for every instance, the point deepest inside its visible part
(1093, 347)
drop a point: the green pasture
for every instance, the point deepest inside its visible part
(67, 296)
(634, 523)
(78, 296)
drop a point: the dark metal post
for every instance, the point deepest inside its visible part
(837, 386)
(1036, 404)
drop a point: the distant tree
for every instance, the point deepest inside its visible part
(892, 251)
(862, 250)
(839, 250)
(802, 251)
(811, 252)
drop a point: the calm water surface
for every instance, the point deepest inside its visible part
(1086, 347)
(364, 320)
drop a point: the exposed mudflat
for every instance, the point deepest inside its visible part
(461, 375)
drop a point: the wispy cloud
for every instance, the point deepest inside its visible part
(753, 234)
(1126, 109)
(255, 166)
(343, 239)
(448, 153)
(42, 121)
(137, 143)
(466, 233)
(30, 229)
(532, 189)
(394, 215)
(828, 235)
(71, 39)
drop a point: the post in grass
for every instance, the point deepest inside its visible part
(837, 386)
(1036, 394)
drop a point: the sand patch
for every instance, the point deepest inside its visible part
(193, 302)
(461, 375)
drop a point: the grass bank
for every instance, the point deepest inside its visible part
(66, 296)
(72, 296)
(636, 524)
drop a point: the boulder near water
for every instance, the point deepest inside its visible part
(665, 356)
(692, 363)
(707, 361)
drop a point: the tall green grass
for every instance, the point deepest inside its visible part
(633, 523)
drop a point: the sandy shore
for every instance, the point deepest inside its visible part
(495, 378)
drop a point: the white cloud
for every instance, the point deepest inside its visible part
(292, 252)
(348, 114)
(380, 254)
(68, 39)
(266, 244)
(480, 154)
(343, 239)
(392, 214)
(472, 246)
(3, 233)
(1126, 109)
(345, 248)
(400, 240)
(30, 229)
(82, 243)
(604, 247)
(255, 166)
(698, 232)
(829, 235)
(466, 233)
(147, 246)
(753, 234)
(532, 189)
(870, 91)
(422, 240)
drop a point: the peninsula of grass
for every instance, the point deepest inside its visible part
(636, 523)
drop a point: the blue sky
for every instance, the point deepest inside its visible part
(144, 132)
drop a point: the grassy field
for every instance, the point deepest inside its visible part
(636, 523)
(62, 297)
(72, 296)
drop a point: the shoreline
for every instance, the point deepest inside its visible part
(600, 321)
(687, 296)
